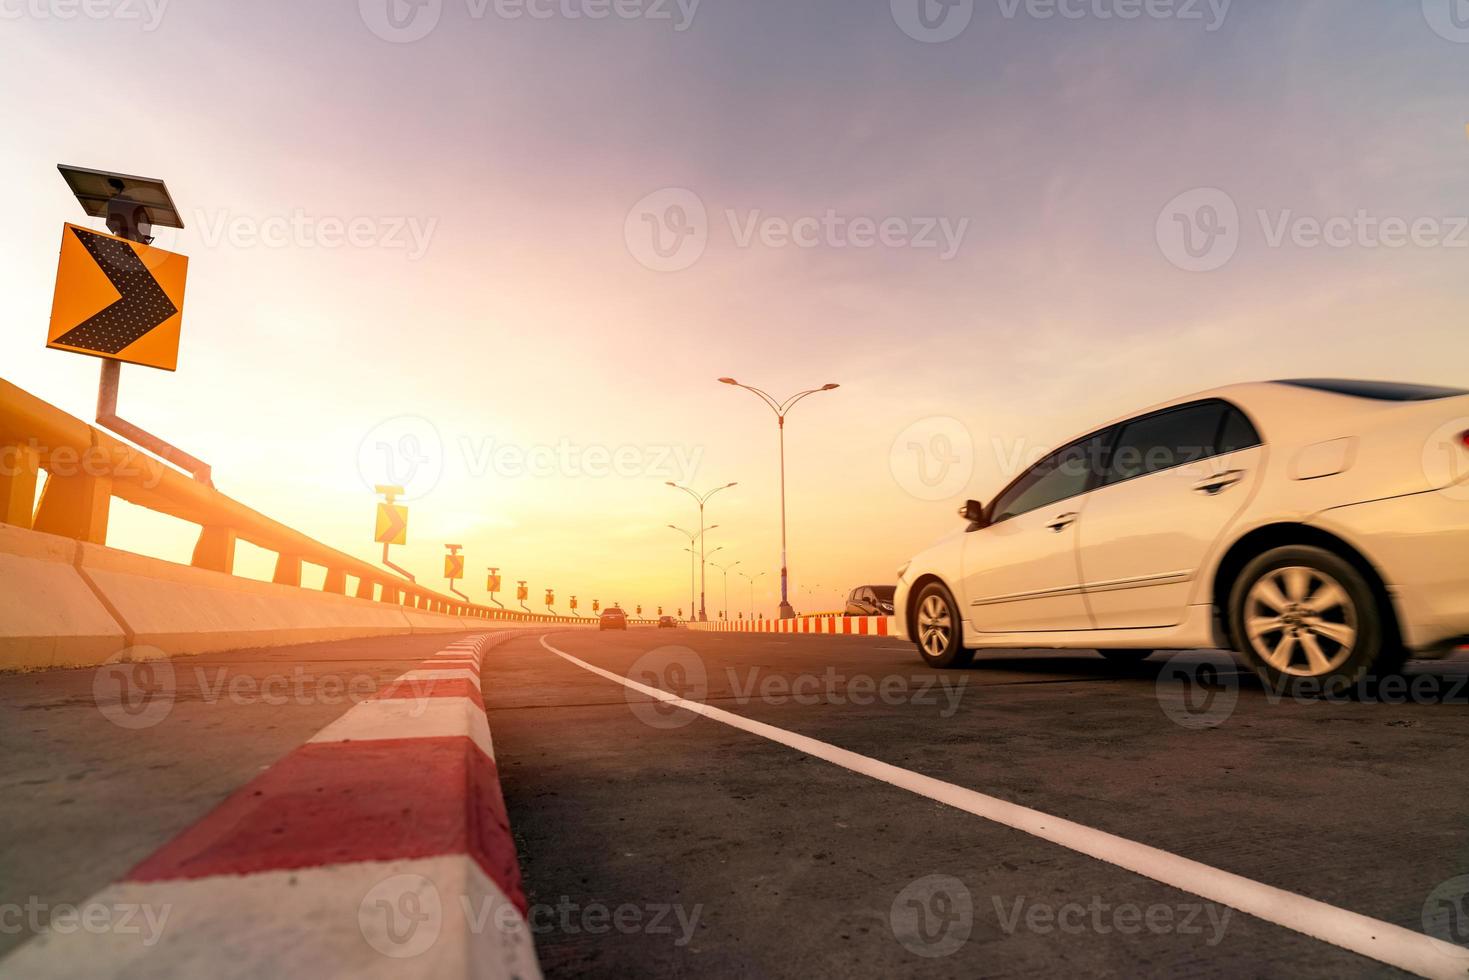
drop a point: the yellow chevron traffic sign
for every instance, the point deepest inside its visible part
(392, 524)
(118, 299)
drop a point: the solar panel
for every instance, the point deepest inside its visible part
(98, 189)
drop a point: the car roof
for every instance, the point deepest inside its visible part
(1275, 398)
(1282, 405)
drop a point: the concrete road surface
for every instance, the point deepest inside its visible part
(658, 842)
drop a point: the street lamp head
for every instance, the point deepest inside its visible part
(830, 387)
(728, 485)
(728, 381)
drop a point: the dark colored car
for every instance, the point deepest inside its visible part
(613, 618)
(871, 600)
(667, 623)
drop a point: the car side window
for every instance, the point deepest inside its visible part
(1064, 474)
(1169, 439)
(1238, 432)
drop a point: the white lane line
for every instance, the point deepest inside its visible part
(1381, 941)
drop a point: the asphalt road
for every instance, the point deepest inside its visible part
(658, 842)
(727, 854)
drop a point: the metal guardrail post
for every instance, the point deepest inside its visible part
(365, 589)
(19, 473)
(215, 549)
(287, 570)
(75, 506)
(336, 582)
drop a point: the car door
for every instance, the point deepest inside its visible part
(1175, 481)
(1020, 572)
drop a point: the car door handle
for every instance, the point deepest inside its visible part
(1062, 522)
(1219, 482)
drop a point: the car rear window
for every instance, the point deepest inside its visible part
(1383, 391)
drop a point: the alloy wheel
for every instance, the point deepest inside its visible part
(935, 626)
(1301, 621)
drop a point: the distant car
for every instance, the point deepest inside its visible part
(1320, 527)
(667, 623)
(612, 618)
(871, 600)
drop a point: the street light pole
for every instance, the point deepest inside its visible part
(693, 555)
(781, 410)
(701, 500)
(751, 579)
(725, 569)
(693, 558)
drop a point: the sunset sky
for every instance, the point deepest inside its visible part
(499, 304)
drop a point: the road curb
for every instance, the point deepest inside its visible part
(380, 848)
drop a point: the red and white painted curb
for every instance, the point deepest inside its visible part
(824, 625)
(381, 848)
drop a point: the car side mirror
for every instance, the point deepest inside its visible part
(973, 512)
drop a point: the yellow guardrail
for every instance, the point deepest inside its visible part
(85, 468)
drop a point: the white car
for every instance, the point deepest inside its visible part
(1319, 527)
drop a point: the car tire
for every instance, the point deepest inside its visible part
(1126, 656)
(1309, 622)
(938, 630)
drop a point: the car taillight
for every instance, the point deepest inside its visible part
(1464, 438)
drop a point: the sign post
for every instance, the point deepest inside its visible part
(492, 586)
(522, 594)
(392, 526)
(120, 299)
(454, 568)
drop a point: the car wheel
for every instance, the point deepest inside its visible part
(1308, 621)
(1126, 656)
(938, 629)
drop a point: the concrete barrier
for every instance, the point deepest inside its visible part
(48, 613)
(68, 603)
(822, 625)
